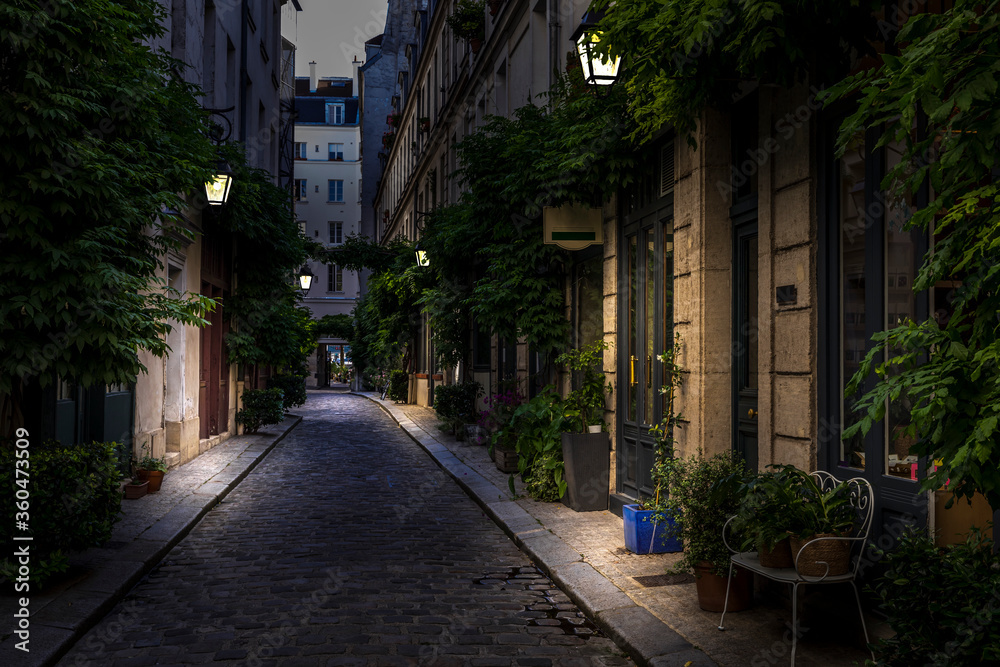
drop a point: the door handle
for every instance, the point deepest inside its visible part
(649, 371)
(631, 375)
(751, 413)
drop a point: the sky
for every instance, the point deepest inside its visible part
(332, 32)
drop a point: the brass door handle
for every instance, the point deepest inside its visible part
(631, 376)
(751, 413)
(649, 371)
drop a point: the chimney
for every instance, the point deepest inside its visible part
(313, 81)
(356, 65)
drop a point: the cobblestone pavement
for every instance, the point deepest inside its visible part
(345, 546)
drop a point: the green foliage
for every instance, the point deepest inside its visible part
(399, 386)
(765, 517)
(589, 398)
(100, 138)
(335, 326)
(150, 462)
(680, 56)
(663, 434)
(74, 501)
(468, 21)
(946, 70)
(269, 327)
(941, 603)
(455, 404)
(707, 493)
(387, 314)
(292, 386)
(261, 407)
(536, 428)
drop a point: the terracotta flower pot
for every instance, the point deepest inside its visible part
(475, 44)
(136, 490)
(712, 589)
(154, 477)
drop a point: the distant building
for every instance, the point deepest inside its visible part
(327, 195)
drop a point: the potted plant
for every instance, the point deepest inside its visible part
(495, 421)
(706, 493)
(136, 489)
(150, 469)
(469, 22)
(586, 451)
(425, 123)
(765, 515)
(494, 6)
(650, 526)
(821, 508)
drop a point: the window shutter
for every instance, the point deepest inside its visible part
(667, 168)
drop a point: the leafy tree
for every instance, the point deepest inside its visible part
(335, 326)
(945, 72)
(269, 327)
(100, 140)
(680, 56)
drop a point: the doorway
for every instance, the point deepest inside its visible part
(745, 357)
(645, 330)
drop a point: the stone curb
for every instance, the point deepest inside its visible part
(57, 626)
(635, 629)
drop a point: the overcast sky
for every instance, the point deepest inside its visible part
(332, 32)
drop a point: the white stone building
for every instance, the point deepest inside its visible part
(327, 193)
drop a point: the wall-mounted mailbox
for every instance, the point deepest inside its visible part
(787, 295)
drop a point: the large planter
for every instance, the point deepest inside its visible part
(780, 556)
(712, 589)
(815, 557)
(154, 477)
(644, 535)
(587, 460)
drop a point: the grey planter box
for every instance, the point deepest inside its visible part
(587, 457)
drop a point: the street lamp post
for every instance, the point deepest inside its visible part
(597, 72)
(305, 279)
(217, 189)
(422, 258)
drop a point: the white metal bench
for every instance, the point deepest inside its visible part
(862, 500)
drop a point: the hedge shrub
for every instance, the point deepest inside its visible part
(73, 500)
(399, 386)
(294, 387)
(261, 407)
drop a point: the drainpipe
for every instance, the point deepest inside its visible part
(243, 70)
(553, 41)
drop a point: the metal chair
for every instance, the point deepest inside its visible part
(862, 501)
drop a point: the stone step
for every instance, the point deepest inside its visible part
(173, 459)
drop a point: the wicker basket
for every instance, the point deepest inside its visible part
(779, 556)
(812, 562)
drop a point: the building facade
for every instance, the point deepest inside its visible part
(327, 196)
(773, 260)
(186, 402)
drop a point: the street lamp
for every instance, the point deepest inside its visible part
(596, 72)
(422, 258)
(217, 189)
(305, 278)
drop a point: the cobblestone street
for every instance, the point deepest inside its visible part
(347, 545)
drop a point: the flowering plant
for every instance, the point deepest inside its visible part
(501, 409)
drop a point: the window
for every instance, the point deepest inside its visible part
(336, 151)
(299, 193)
(336, 191)
(336, 233)
(335, 114)
(300, 150)
(334, 278)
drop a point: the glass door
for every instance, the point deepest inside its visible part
(646, 328)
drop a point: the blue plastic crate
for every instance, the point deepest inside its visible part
(639, 532)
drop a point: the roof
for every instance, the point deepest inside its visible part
(331, 86)
(375, 41)
(312, 109)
